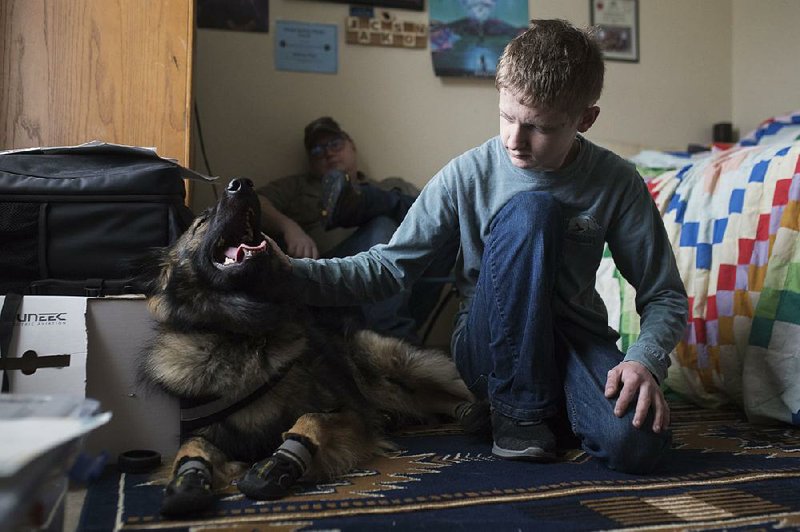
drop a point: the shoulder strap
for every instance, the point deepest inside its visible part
(7, 314)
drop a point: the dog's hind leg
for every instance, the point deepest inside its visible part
(191, 488)
(418, 382)
(319, 445)
(473, 416)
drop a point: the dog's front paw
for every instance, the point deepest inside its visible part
(271, 478)
(190, 491)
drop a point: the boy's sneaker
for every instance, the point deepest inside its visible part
(522, 440)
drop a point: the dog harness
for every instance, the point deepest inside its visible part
(197, 413)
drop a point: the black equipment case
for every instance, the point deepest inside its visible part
(75, 220)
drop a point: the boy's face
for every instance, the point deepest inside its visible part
(540, 139)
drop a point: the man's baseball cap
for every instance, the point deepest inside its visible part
(323, 125)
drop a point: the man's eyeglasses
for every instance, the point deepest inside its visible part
(318, 151)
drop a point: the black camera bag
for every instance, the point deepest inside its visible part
(75, 220)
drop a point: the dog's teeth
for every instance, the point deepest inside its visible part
(229, 260)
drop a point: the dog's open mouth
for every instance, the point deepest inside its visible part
(242, 252)
(237, 246)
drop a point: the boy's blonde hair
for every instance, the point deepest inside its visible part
(553, 65)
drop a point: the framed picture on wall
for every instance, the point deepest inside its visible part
(617, 23)
(415, 5)
(233, 15)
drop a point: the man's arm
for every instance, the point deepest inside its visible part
(298, 243)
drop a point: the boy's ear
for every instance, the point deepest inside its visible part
(588, 118)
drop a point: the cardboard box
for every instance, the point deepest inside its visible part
(100, 339)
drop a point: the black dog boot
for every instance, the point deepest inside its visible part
(272, 478)
(190, 491)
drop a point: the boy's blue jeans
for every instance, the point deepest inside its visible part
(532, 366)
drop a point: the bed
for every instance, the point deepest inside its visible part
(733, 218)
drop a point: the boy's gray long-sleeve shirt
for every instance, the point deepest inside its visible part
(603, 199)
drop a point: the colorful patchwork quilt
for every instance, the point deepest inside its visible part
(734, 222)
(776, 130)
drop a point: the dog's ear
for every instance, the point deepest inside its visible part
(146, 270)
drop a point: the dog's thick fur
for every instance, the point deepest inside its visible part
(224, 328)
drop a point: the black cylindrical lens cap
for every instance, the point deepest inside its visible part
(138, 461)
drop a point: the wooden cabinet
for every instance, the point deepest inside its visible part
(112, 70)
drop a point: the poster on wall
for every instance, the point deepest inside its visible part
(233, 15)
(468, 36)
(305, 47)
(617, 23)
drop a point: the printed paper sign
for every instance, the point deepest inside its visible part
(304, 47)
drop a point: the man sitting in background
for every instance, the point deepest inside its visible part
(334, 210)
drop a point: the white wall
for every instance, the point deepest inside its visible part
(766, 66)
(681, 85)
(408, 122)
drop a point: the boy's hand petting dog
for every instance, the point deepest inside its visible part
(629, 378)
(276, 249)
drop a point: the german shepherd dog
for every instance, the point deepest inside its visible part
(284, 390)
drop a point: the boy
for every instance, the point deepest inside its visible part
(532, 209)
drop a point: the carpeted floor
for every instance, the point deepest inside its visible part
(725, 474)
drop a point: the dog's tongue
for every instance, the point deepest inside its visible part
(244, 251)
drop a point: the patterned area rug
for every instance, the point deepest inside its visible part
(725, 474)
